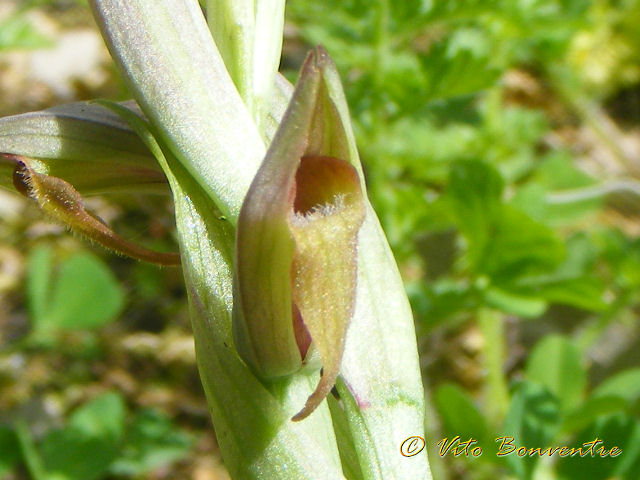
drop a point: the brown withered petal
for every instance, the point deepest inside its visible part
(59, 199)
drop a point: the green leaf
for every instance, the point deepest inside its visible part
(519, 246)
(30, 455)
(17, 31)
(103, 417)
(502, 242)
(558, 171)
(547, 196)
(460, 415)
(475, 189)
(590, 410)
(459, 65)
(623, 256)
(460, 9)
(582, 292)
(83, 144)
(624, 385)
(555, 362)
(570, 283)
(152, 441)
(9, 450)
(619, 430)
(509, 302)
(69, 454)
(85, 295)
(89, 443)
(532, 421)
(441, 301)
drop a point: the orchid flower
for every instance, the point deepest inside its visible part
(304, 337)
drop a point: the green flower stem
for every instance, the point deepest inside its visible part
(496, 393)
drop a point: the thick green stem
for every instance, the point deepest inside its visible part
(179, 79)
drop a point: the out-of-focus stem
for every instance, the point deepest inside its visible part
(496, 394)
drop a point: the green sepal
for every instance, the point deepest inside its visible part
(84, 144)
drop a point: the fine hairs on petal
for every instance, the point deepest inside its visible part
(317, 212)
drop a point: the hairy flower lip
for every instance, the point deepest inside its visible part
(316, 196)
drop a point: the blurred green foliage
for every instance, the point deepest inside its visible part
(18, 30)
(82, 294)
(100, 439)
(550, 408)
(455, 103)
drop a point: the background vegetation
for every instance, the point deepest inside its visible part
(501, 142)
